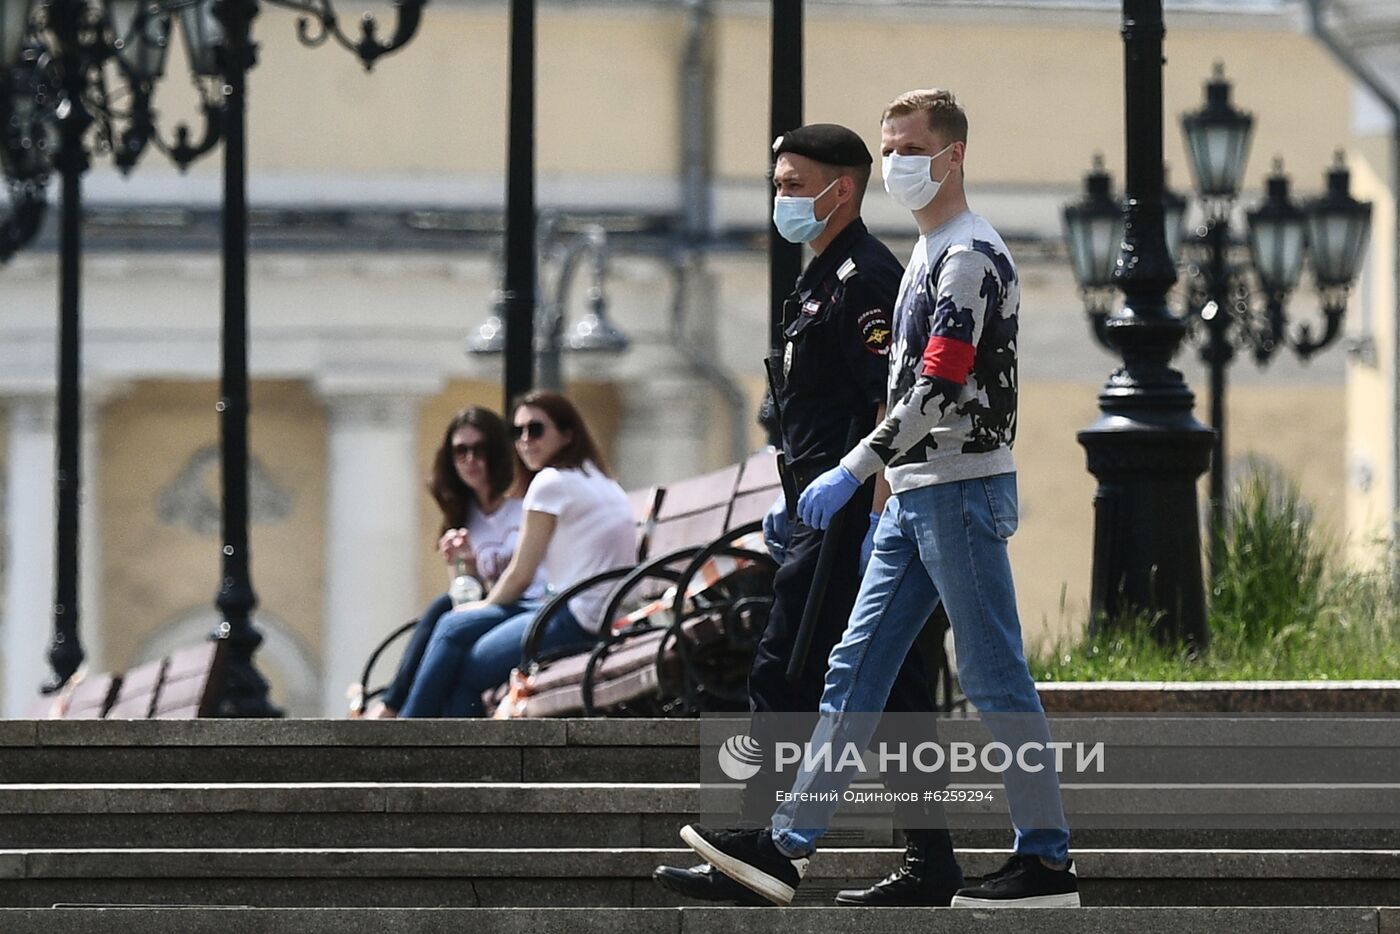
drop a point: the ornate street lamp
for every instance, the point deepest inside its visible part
(1146, 450)
(1217, 140)
(57, 107)
(1277, 236)
(1094, 229)
(1338, 229)
(75, 39)
(23, 159)
(1239, 295)
(224, 47)
(145, 30)
(593, 333)
(1094, 232)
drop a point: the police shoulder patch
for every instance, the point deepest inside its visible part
(875, 330)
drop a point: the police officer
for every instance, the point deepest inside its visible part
(830, 384)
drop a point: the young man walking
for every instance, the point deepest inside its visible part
(830, 375)
(945, 447)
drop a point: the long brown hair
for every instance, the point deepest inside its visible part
(453, 496)
(565, 417)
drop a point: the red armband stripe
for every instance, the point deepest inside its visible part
(948, 359)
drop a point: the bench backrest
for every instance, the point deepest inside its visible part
(44, 707)
(191, 683)
(644, 503)
(92, 697)
(693, 511)
(136, 699)
(182, 686)
(758, 487)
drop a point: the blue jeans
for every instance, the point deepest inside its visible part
(397, 691)
(944, 542)
(472, 651)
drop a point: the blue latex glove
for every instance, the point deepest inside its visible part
(775, 530)
(867, 547)
(821, 501)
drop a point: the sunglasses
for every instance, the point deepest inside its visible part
(532, 430)
(480, 451)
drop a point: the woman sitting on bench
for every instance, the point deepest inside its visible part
(476, 484)
(577, 523)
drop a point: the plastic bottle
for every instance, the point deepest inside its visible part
(464, 588)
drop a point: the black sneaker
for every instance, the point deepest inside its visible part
(750, 858)
(1024, 882)
(928, 876)
(706, 883)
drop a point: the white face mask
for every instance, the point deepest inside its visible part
(909, 179)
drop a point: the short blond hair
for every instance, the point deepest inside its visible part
(945, 115)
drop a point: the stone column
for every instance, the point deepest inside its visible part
(373, 542)
(29, 545)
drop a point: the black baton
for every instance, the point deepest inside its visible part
(816, 597)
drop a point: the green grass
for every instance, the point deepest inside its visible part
(1282, 607)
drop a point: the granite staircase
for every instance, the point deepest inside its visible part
(555, 825)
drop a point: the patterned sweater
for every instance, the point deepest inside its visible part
(952, 383)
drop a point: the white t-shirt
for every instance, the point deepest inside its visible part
(493, 538)
(595, 532)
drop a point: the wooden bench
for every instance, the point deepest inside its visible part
(192, 682)
(89, 698)
(705, 543)
(184, 685)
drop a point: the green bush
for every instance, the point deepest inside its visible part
(1271, 578)
(1282, 607)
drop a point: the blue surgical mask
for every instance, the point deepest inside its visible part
(796, 218)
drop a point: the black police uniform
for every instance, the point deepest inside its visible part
(836, 329)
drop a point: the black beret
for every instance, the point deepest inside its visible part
(827, 143)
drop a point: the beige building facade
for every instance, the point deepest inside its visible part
(376, 255)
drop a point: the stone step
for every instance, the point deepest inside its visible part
(343, 750)
(502, 814)
(1157, 748)
(1312, 920)
(497, 878)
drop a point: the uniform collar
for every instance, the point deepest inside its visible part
(829, 260)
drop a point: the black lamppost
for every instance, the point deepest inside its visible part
(230, 51)
(1146, 449)
(518, 298)
(1238, 291)
(77, 37)
(54, 54)
(74, 42)
(784, 114)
